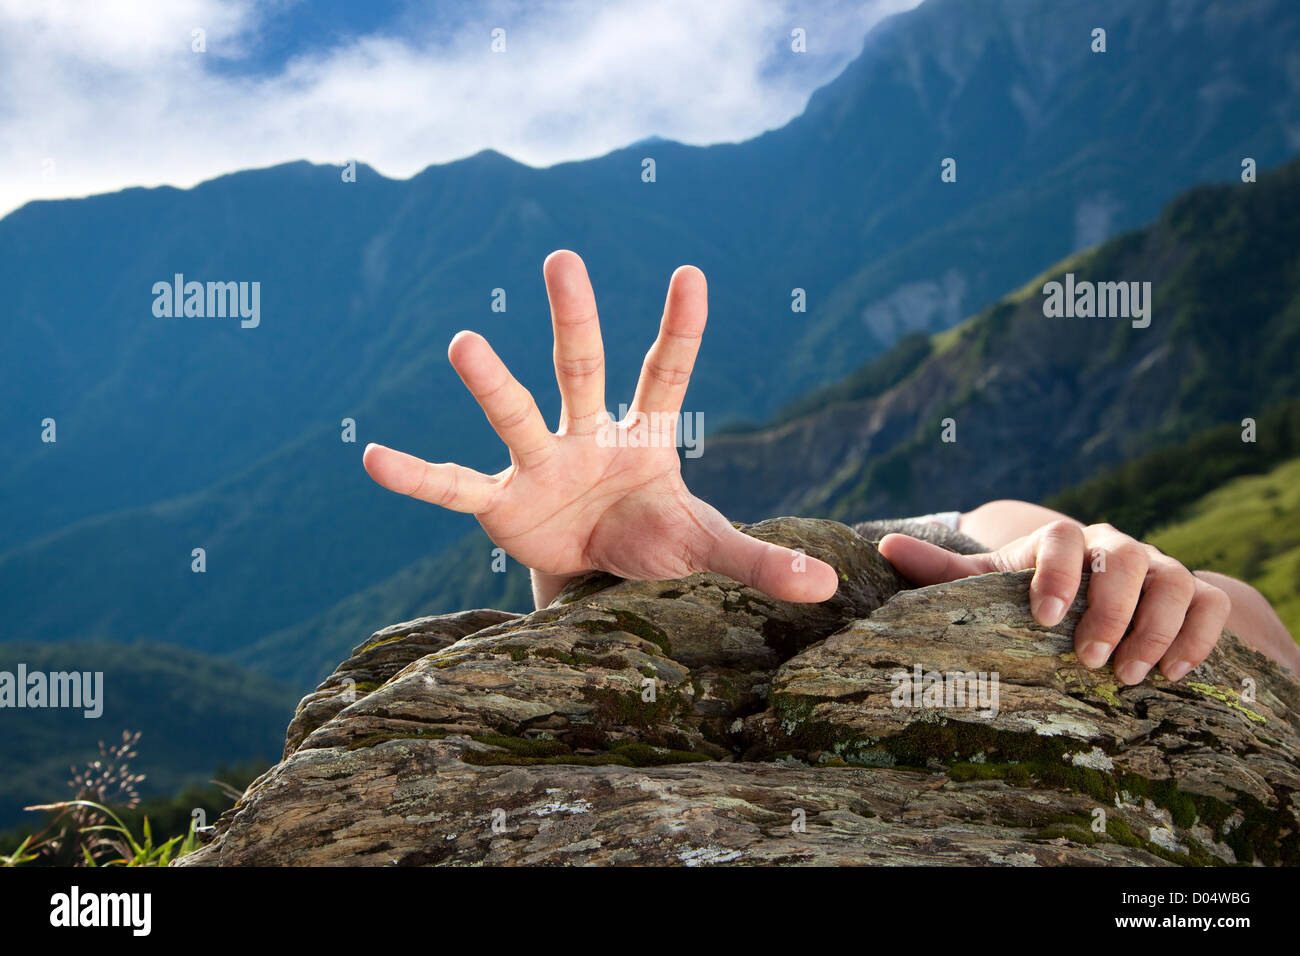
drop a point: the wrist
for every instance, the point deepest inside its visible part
(547, 586)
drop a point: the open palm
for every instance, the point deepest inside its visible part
(591, 496)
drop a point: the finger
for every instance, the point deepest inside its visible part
(1113, 595)
(447, 485)
(1201, 630)
(509, 407)
(1055, 550)
(579, 352)
(666, 371)
(924, 563)
(1166, 595)
(1059, 550)
(776, 571)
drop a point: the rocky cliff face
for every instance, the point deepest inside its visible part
(700, 722)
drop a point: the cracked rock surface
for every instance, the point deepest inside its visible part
(698, 722)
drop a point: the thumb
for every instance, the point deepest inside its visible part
(924, 563)
(776, 571)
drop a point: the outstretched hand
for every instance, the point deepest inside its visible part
(1144, 606)
(581, 498)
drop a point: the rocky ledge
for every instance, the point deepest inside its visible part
(700, 722)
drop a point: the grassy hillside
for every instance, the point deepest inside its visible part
(1250, 529)
(1157, 488)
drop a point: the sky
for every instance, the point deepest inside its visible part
(98, 95)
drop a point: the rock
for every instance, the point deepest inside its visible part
(377, 659)
(699, 722)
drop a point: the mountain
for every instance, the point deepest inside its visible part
(1008, 369)
(194, 714)
(1036, 404)
(182, 433)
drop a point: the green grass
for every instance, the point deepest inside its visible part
(1248, 528)
(1160, 487)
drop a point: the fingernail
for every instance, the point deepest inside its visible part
(1051, 611)
(1094, 654)
(1132, 672)
(1176, 670)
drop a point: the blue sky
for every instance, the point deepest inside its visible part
(97, 95)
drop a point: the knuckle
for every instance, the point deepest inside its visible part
(1154, 637)
(1129, 558)
(418, 490)
(1175, 578)
(1001, 561)
(667, 375)
(1216, 600)
(1063, 529)
(492, 391)
(538, 454)
(582, 367)
(688, 335)
(1110, 619)
(449, 493)
(587, 421)
(578, 317)
(514, 417)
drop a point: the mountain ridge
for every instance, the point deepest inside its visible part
(1103, 392)
(836, 449)
(182, 434)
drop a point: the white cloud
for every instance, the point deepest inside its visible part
(98, 95)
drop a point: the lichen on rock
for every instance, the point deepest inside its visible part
(699, 722)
